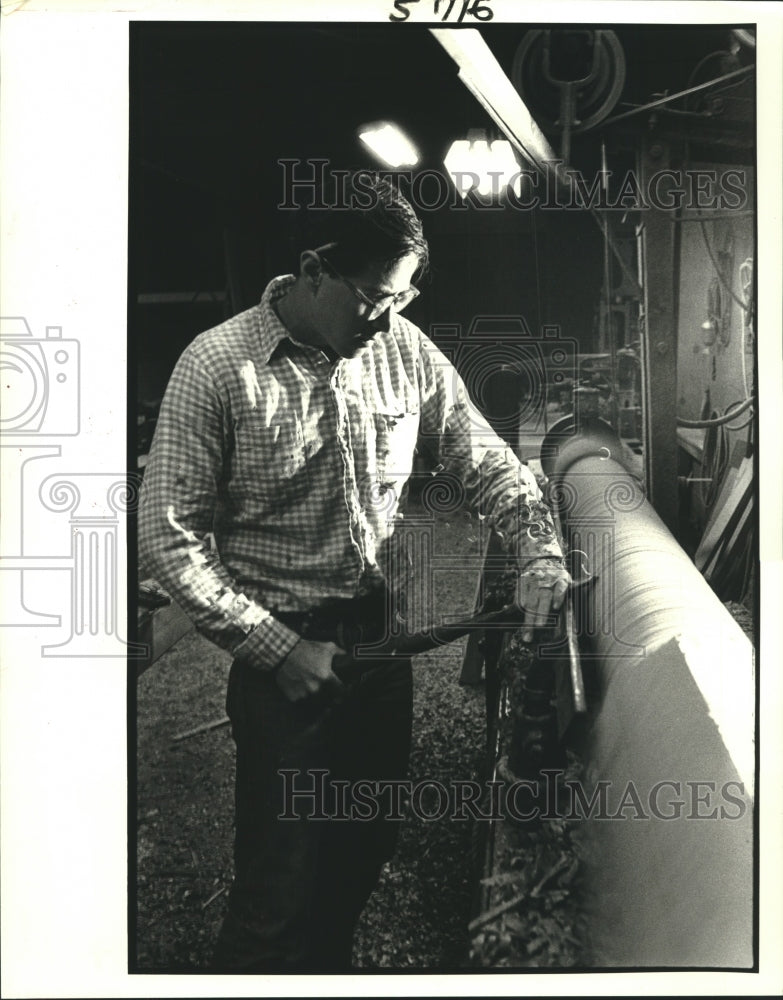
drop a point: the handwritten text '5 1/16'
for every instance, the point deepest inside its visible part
(454, 10)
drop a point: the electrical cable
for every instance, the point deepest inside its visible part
(747, 307)
(703, 62)
(745, 423)
(683, 93)
(726, 87)
(721, 279)
(719, 421)
(708, 113)
(716, 452)
(746, 279)
(688, 114)
(716, 312)
(715, 459)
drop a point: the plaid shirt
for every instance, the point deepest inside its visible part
(294, 464)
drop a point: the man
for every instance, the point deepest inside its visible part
(287, 435)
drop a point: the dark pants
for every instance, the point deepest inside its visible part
(301, 884)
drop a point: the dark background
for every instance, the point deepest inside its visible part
(215, 106)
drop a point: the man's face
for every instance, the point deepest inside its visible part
(341, 317)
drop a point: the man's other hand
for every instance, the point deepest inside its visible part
(307, 670)
(541, 589)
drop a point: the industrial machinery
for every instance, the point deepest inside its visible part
(668, 737)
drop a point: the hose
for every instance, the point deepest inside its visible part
(718, 271)
(683, 93)
(732, 412)
(714, 460)
(741, 427)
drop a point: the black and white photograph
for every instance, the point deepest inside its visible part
(480, 345)
(397, 531)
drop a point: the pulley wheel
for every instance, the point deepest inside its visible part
(591, 61)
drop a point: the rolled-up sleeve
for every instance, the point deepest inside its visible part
(465, 448)
(177, 506)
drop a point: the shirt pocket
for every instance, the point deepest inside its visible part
(271, 463)
(396, 434)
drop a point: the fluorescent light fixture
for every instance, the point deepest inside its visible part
(483, 75)
(487, 168)
(389, 143)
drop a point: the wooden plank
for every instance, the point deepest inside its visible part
(709, 566)
(740, 496)
(734, 510)
(725, 568)
(739, 453)
(725, 507)
(729, 479)
(740, 525)
(736, 460)
(730, 537)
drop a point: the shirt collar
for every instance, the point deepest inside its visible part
(271, 328)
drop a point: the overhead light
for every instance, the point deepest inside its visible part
(389, 143)
(483, 75)
(488, 168)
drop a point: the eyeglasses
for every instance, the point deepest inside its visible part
(375, 307)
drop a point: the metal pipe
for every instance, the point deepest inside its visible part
(649, 591)
(672, 729)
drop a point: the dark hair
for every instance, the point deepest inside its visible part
(369, 222)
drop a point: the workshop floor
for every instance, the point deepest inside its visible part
(418, 916)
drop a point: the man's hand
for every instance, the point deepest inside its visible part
(540, 591)
(307, 670)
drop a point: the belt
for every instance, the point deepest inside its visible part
(332, 621)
